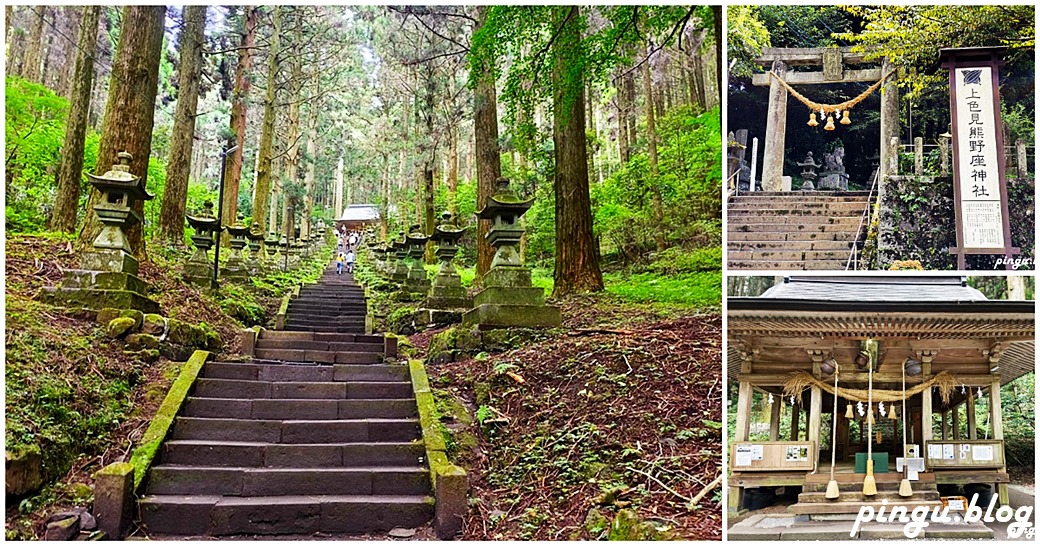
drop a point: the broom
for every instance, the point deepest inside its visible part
(905, 489)
(832, 486)
(869, 485)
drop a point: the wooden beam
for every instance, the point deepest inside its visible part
(743, 412)
(795, 415)
(945, 424)
(774, 420)
(778, 379)
(805, 56)
(969, 409)
(815, 416)
(816, 78)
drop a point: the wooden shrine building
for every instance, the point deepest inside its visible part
(956, 347)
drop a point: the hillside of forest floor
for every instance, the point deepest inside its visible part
(618, 411)
(73, 393)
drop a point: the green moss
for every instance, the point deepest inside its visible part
(134, 314)
(119, 327)
(160, 426)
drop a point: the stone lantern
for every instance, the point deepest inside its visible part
(255, 237)
(283, 253)
(108, 274)
(447, 291)
(399, 254)
(235, 268)
(809, 166)
(417, 282)
(199, 270)
(507, 298)
(271, 248)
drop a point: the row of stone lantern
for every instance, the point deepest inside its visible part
(270, 254)
(507, 297)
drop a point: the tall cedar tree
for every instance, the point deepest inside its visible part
(130, 110)
(70, 169)
(175, 194)
(577, 255)
(262, 192)
(33, 66)
(651, 144)
(485, 138)
(233, 166)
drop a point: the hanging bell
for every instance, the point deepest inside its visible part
(845, 119)
(812, 119)
(848, 412)
(830, 124)
(892, 414)
(870, 418)
(878, 437)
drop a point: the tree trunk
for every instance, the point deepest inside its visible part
(312, 144)
(31, 70)
(623, 101)
(70, 170)
(175, 195)
(717, 12)
(485, 143)
(239, 98)
(577, 258)
(262, 198)
(453, 170)
(651, 139)
(130, 110)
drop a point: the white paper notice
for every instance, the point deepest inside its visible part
(934, 451)
(743, 456)
(982, 453)
(757, 452)
(947, 451)
(977, 157)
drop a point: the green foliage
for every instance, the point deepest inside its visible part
(33, 133)
(747, 35)
(696, 289)
(690, 181)
(913, 36)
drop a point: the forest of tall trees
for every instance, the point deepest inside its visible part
(609, 116)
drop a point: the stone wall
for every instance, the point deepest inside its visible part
(917, 223)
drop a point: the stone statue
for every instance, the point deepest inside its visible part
(833, 176)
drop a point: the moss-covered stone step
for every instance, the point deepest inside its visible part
(289, 409)
(326, 329)
(794, 265)
(238, 388)
(772, 254)
(255, 371)
(259, 454)
(281, 335)
(169, 479)
(327, 357)
(790, 245)
(297, 431)
(808, 208)
(786, 236)
(267, 343)
(829, 220)
(215, 515)
(331, 319)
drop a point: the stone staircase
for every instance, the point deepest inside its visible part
(317, 434)
(335, 304)
(794, 230)
(812, 500)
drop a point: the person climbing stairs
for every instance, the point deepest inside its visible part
(319, 433)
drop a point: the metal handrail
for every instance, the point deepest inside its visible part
(853, 252)
(730, 184)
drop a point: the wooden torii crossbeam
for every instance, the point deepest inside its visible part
(833, 61)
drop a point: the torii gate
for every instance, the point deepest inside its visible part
(833, 60)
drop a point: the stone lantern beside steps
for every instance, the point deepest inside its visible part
(198, 270)
(507, 298)
(447, 292)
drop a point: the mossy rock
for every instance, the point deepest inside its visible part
(176, 352)
(134, 314)
(119, 327)
(213, 340)
(106, 315)
(145, 355)
(154, 324)
(627, 526)
(452, 344)
(142, 341)
(482, 393)
(596, 524)
(182, 333)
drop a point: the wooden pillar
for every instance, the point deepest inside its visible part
(754, 163)
(957, 422)
(969, 409)
(926, 401)
(997, 418)
(815, 416)
(743, 425)
(774, 420)
(795, 416)
(776, 127)
(945, 425)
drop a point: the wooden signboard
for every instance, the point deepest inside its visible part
(771, 456)
(953, 454)
(979, 185)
